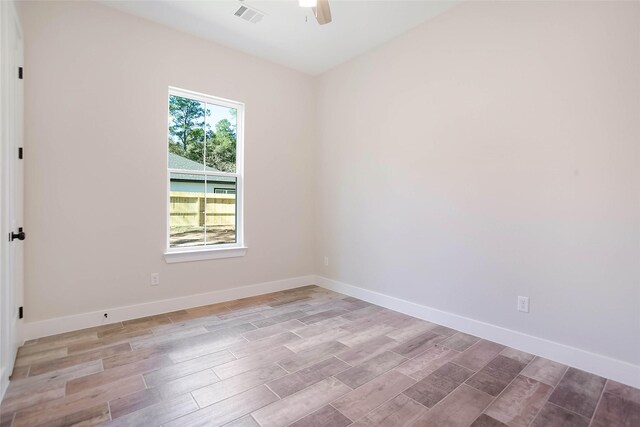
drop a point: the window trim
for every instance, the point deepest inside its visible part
(225, 250)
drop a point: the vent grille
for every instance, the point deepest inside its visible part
(248, 14)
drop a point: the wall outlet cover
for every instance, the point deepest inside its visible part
(523, 304)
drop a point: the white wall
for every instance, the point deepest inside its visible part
(490, 153)
(96, 87)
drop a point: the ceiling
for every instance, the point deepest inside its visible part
(288, 34)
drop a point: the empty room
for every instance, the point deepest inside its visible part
(330, 213)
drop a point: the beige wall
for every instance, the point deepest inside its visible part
(490, 153)
(96, 87)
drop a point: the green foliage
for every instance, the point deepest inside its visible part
(187, 135)
(176, 149)
(221, 148)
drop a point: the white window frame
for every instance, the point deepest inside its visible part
(224, 250)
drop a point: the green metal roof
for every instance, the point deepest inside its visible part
(179, 162)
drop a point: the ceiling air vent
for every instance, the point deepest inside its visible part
(249, 14)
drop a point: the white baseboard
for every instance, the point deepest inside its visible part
(4, 382)
(605, 366)
(598, 364)
(43, 328)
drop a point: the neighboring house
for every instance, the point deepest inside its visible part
(189, 205)
(187, 183)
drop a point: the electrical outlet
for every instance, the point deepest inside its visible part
(155, 279)
(523, 304)
(326, 261)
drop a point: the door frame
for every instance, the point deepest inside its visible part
(11, 188)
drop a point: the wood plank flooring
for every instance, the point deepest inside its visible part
(302, 357)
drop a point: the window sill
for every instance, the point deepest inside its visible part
(204, 254)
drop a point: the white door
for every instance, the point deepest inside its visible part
(11, 179)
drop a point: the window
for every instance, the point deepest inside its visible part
(205, 144)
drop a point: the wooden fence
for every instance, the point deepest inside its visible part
(193, 209)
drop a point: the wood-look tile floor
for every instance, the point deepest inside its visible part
(303, 357)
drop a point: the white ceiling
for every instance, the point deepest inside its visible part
(289, 34)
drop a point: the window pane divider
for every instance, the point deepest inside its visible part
(203, 173)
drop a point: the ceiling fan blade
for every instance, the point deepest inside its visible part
(322, 12)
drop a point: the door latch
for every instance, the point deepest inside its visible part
(19, 235)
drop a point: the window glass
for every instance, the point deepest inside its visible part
(203, 169)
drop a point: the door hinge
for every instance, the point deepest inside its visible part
(20, 153)
(20, 312)
(20, 73)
